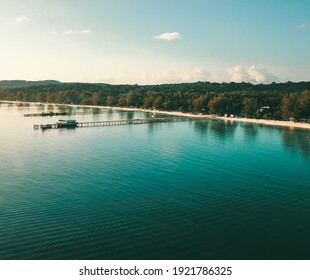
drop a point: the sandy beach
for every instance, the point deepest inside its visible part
(268, 122)
(233, 119)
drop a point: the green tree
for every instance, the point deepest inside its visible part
(304, 104)
(289, 106)
(110, 101)
(250, 107)
(122, 100)
(149, 100)
(200, 104)
(158, 102)
(95, 98)
(219, 105)
(130, 99)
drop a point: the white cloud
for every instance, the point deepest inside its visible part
(72, 32)
(21, 19)
(159, 77)
(304, 26)
(168, 36)
(253, 74)
(237, 74)
(176, 76)
(197, 74)
(257, 75)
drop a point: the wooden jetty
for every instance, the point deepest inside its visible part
(70, 123)
(46, 114)
(51, 114)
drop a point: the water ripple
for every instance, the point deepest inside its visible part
(177, 191)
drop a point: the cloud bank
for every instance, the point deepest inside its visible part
(197, 74)
(253, 74)
(168, 36)
(176, 76)
(21, 19)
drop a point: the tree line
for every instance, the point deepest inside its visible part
(280, 101)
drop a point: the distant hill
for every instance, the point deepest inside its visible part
(22, 83)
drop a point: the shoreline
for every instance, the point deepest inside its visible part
(268, 122)
(190, 115)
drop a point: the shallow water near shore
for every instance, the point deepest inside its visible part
(186, 190)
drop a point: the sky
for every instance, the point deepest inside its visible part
(155, 42)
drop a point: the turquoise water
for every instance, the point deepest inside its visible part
(186, 190)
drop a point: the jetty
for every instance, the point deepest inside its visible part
(46, 114)
(74, 124)
(51, 114)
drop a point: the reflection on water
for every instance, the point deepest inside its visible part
(222, 129)
(63, 108)
(250, 130)
(19, 104)
(41, 106)
(201, 126)
(50, 107)
(295, 140)
(176, 190)
(129, 115)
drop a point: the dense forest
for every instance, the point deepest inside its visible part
(269, 101)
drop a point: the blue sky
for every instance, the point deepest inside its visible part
(152, 42)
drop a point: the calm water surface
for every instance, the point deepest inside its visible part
(189, 190)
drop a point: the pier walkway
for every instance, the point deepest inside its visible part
(52, 114)
(46, 114)
(116, 122)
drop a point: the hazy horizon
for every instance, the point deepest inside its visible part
(151, 84)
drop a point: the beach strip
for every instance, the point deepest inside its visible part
(181, 114)
(234, 119)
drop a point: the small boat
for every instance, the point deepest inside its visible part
(67, 124)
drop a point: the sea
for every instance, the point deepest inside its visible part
(190, 190)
